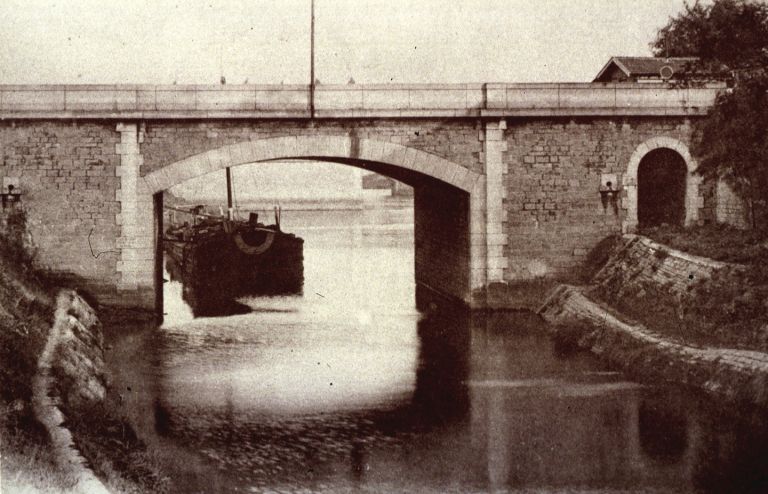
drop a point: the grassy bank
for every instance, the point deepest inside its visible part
(105, 437)
(101, 434)
(115, 453)
(718, 242)
(26, 312)
(730, 309)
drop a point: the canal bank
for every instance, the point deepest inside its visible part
(54, 396)
(637, 269)
(349, 389)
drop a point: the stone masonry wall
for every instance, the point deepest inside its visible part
(70, 375)
(730, 208)
(66, 172)
(534, 211)
(554, 171)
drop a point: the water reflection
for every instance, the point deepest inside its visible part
(354, 391)
(471, 404)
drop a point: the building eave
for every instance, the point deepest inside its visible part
(612, 61)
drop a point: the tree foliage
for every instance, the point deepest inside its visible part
(730, 39)
(724, 34)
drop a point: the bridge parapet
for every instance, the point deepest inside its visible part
(121, 102)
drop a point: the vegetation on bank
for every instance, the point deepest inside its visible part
(26, 312)
(114, 452)
(730, 309)
(719, 242)
(101, 434)
(729, 39)
(106, 438)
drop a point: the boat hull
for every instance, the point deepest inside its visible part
(215, 268)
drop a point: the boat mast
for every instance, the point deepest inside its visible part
(229, 194)
(312, 62)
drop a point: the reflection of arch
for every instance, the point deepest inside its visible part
(344, 148)
(663, 429)
(692, 200)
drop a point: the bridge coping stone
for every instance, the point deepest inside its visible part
(121, 102)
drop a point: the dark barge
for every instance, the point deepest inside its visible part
(219, 259)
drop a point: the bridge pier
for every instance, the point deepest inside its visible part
(136, 220)
(494, 146)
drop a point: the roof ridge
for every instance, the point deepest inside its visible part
(653, 58)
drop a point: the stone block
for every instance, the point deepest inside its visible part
(371, 150)
(385, 100)
(496, 239)
(176, 99)
(468, 181)
(438, 99)
(224, 99)
(125, 127)
(496, 96)
(661, 97)
(343, 99)
(33, 100)
(412, 160)
(282, 100)
(238, 153)
(394, 154)
(100, 100)
(495, 263)
(587, 97)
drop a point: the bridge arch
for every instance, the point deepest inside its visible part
(630, 180)
(449, 262)
(344, 148)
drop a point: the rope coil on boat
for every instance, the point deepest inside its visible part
(253, 250)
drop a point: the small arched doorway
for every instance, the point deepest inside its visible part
(661, 187)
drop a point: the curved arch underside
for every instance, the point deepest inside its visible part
(400, 162)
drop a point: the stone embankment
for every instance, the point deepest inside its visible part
(70, 372)
(639, 261)
(737, 376)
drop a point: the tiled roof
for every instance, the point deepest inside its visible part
(646, 66)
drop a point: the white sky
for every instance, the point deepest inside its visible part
(196, 41)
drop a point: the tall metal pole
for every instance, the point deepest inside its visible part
(229, 195)
(312, 63)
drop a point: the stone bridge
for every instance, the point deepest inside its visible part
(507, 177)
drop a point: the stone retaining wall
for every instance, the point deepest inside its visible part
(70, 371)
(738, 376)
(640, 261)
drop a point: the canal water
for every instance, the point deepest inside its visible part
(347, 388)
